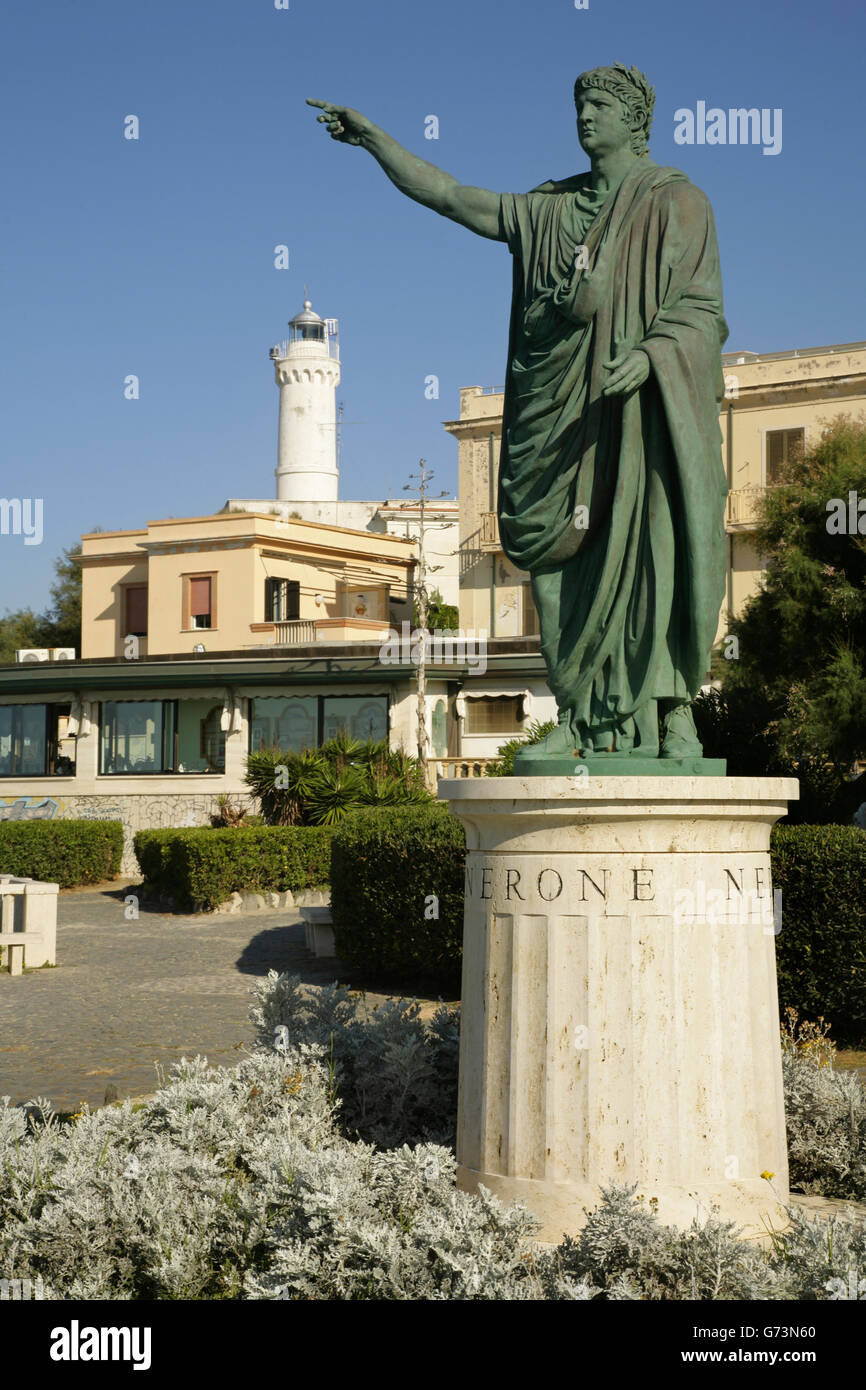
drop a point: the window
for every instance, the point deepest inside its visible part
(530, 613)
(359, 716)
(289, 723)
(297, 722)
(201, 743)
(135, 610)
(282, 600)
(212, 740)
(34, 741)
(61, 744)
(199, 601)
(138, 736)
(783, 446)
(488, 714)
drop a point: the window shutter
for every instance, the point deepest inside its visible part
(293, 600)
(775, 454)
(136, 611)
(269, 600)
(199, 597)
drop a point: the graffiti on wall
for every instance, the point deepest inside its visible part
(28, 808)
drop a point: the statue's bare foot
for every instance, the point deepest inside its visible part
(681, 737)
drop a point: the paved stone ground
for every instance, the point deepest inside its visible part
(127, 994)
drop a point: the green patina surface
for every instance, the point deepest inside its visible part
(611, 485)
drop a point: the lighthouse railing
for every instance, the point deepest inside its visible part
(302, 347)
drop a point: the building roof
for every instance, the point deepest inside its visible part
(349, 662)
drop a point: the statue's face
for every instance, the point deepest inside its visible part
(602, 122)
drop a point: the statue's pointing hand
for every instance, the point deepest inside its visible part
(343, 123)
(630, 370)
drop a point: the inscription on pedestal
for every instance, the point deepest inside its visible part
(730, 892)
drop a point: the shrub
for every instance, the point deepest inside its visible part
(68, 852)
(740, 726)
(320, 786)
(397, 895)
(826, 1114)
(231, 815)
(394, 1075)
(152, 852)
(243, 1182)
(504, 766)
(199, 868)
(821, 949)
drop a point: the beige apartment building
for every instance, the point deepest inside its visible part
(207, 638)
(238, 581)
(775, 403)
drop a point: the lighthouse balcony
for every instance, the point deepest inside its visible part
(306, 347)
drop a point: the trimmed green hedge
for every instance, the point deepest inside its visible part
(68, 852)
(152, 852)
(821, 949)
(201, 867)
(386, 864)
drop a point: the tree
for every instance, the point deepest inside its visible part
(441, 616)
(59, 625)
(23, 628)
(795, 690)
(66, 598)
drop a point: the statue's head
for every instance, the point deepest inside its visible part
(631, 90)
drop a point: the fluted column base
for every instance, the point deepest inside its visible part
(620, 1018)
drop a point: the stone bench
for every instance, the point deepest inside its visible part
(28, 922)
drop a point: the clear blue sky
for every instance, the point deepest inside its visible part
(156, 257)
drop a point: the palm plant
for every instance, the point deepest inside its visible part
(320, 786)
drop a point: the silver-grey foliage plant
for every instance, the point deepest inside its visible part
(320, 1167)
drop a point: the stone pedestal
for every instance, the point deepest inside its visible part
(619, 1009)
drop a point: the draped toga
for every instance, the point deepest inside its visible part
(628, 591)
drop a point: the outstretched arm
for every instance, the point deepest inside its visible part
(475, 208)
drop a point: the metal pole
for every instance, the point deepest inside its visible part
(422, 625)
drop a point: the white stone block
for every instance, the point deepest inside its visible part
(232, 904)
(41, 918)
(318, 931)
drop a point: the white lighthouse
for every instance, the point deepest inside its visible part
(307, 368)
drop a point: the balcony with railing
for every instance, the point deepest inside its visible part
(299, 349)
(293, 633)
(741, 513)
